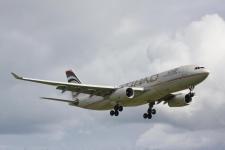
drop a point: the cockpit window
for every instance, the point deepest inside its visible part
(196, 68)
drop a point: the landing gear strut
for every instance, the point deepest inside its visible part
(188, 97)
(191, 88)
(117, 109)
(151, 111)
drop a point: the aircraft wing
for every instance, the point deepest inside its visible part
(97, 90)
(166, 98)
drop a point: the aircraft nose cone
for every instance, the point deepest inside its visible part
(206, 73)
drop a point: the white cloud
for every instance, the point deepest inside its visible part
(198, 43)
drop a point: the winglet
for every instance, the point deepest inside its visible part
(16, 76)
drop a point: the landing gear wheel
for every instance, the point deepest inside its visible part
(112, 113)
(120, 108)
(145, 115)
(116, 107)
(116, 113)
(150, 111)
(192, 94)
(153, 111)
(149, 116)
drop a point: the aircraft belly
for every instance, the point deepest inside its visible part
(101, 105)
(94, 103)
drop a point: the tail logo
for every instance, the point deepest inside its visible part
(71, 77)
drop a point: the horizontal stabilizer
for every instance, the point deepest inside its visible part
(57, 99)
(16, 76)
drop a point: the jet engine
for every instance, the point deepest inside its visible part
(180, 100)
(123, 93)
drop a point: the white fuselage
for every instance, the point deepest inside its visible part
(155, 87)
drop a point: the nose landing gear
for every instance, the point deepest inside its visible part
(150, 111)
(117, 109)
(188, 97)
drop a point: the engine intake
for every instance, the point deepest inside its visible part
(122, 94)
(130, 93)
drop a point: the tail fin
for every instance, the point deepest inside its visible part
(71, 77)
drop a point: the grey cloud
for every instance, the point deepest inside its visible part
(167, 137)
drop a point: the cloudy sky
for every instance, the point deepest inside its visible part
(109, 42)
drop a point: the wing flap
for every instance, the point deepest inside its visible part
(165, 99)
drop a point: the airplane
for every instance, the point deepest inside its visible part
(152, 90)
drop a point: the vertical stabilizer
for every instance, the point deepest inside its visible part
(71, 77)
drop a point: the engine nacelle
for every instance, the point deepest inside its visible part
(122, 93)
(180, 100)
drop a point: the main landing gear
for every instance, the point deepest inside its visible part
(151, 111)
(116, 110)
